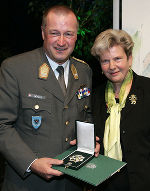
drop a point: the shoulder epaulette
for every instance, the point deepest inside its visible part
(79, 60)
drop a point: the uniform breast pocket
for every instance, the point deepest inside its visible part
(35, 112)
(83, 108)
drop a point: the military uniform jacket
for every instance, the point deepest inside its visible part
(134, 130)
(24, 95)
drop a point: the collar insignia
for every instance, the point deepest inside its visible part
(133, 99)
(44, 71)
(74, 72)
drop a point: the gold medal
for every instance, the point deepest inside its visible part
(68, 164)
(76, 158)
(44, 71)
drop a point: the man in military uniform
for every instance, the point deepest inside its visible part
(39, 103)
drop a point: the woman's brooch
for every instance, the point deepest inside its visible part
(133, 99)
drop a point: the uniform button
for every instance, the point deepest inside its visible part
(67, 122)
(66, 107)
(36, 106)
(85, 106)
(123, 132)
(66, 139)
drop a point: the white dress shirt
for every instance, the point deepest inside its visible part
(54, 66)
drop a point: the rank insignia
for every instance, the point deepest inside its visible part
(36, 121)
(133, 99)
(83, 92)
(44, 71)
(74, 72)
(76, 158)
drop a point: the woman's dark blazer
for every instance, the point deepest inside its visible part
(134, 130)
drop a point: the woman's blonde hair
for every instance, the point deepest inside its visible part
(109, 38)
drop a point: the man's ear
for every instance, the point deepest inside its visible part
(42, 30)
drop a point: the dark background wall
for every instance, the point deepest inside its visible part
(19, 32)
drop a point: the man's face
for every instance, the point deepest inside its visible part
(60, 35)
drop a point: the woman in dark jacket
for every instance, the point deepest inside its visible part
(121, 110)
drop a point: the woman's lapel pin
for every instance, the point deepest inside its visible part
(133, 99)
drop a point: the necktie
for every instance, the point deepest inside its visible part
(60, 70)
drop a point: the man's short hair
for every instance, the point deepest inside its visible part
(58, 9)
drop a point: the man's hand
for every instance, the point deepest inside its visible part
(97, 146)
(73, 142)
(43, 167)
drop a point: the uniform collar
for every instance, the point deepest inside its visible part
(54, 65)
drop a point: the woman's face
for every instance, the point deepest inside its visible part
(115, 65)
